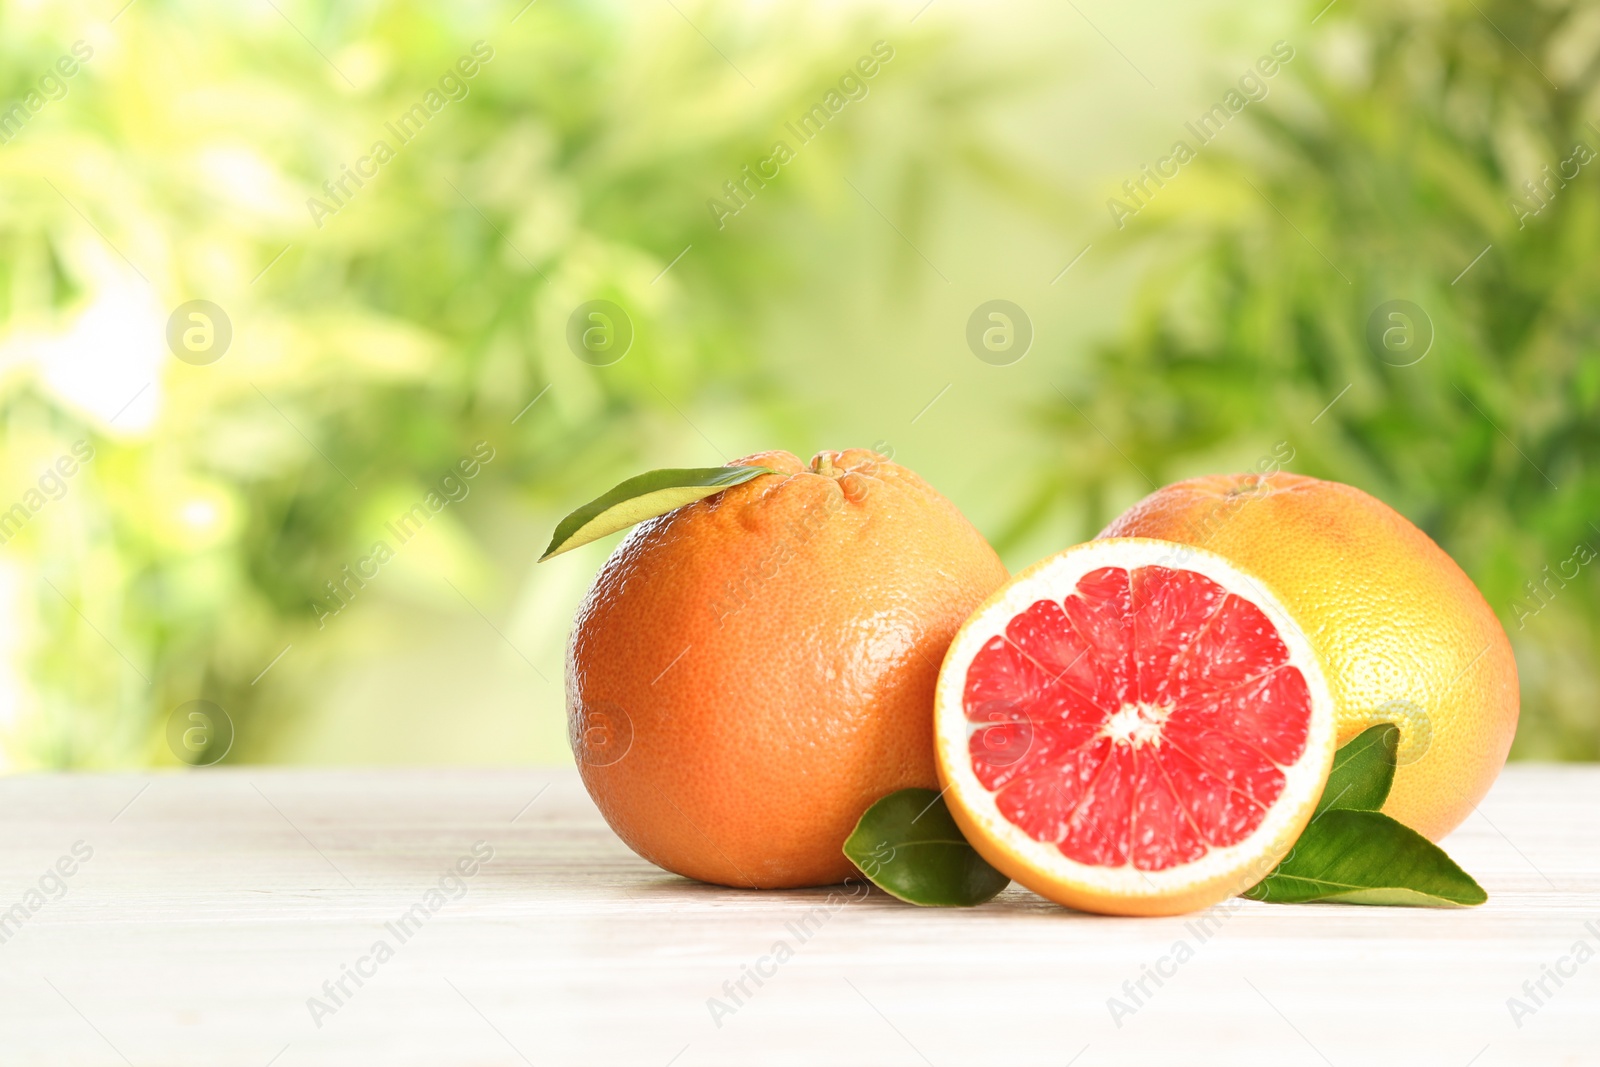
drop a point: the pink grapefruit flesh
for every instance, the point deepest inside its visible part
(1133, 726)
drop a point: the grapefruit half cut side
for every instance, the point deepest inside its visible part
(1133, 727)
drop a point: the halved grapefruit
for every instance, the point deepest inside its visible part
(1133, 727)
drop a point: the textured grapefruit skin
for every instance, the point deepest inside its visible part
(1403, 633)
(773, 652)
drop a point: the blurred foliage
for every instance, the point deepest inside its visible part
(1390, 165)
(373, 352)
(373, 347)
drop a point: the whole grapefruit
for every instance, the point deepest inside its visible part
(749, 673)
(1403, 634)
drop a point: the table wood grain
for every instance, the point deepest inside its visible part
(208, 918)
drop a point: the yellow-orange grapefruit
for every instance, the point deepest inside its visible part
(1403, 634)
(749, 673)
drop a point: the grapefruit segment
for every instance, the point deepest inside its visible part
(1170, 608)
(1048, 643)
(1268, 711)
(1132, 726)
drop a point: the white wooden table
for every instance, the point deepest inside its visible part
(216, 903)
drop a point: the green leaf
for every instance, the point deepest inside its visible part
(644, 497)
(1365, 857)
(908, 846)
(1363, 770)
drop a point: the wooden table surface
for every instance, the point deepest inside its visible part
(203, 911)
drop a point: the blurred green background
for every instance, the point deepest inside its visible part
(1427, 153)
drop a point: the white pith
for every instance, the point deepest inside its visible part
(1056, 578)
(1137, 724)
